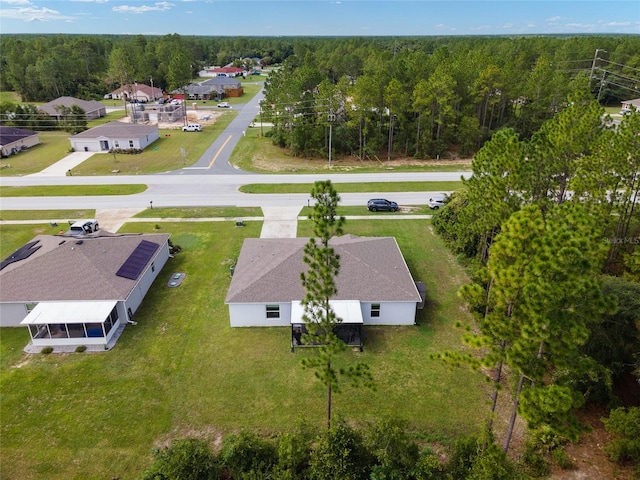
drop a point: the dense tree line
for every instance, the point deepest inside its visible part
(426, 97)
(44, 67)
(381, 96)
(382, 450)
(552, 224)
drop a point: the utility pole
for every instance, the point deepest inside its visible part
(260, 118)
(604, 72)
(153, 93)
(332, 118)
(593, 64)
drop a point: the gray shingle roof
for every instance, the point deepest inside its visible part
(371, 269)
(12, 134)
(62, 269)
(118, 130)
(87, 105)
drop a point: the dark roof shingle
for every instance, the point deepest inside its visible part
(371, 269)
(65, 268)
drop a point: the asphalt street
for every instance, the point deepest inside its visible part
(212, 181)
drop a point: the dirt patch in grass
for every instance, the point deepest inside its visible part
(588, 456)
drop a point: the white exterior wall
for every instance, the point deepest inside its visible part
(94, 144)
(138, 292)
(28, 142)
(255, 315)
(391, 313)
(11, 314)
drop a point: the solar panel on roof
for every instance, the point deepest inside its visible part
(23, 252)
(133, 266)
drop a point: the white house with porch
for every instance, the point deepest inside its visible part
(83, 290)
(374, 285)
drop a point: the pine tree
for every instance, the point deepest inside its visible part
(320, 287)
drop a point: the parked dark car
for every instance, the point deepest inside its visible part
(382, 205)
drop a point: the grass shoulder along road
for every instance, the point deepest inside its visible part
(354, 187)
(72, 190)
(255, 152)
(45, 214)
(182, 371)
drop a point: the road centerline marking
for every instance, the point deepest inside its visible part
(215, 157)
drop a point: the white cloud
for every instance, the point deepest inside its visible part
(618, 24)
(554, 19)
(33, 14)
(157, 7)
(91, 1)
(17, 2)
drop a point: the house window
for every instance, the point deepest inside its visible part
(116, 144)
(111, 320)
(273, 311)
(130, 143)
(375, 310)
(30, 306)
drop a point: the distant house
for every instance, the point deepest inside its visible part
(71, 291)
(374, 286)
(92, 109)
(14, 140)
(213, 88)
(226, 72)
(137, 91)
(631, 104)
(115, 135)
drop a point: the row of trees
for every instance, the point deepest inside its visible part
(544, 219)
(420, 96)
(44, 67)
(425, 98)
(379, 451)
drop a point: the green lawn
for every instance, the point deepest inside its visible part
(200, 212)
(45, 214)
(71, 190)
(353, 187)
(256, 153)
(53, 146)
(182, 371)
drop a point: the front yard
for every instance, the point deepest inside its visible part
(182, 371)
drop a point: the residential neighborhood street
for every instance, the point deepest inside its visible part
(211, 181)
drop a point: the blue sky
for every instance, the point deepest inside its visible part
(319, 18)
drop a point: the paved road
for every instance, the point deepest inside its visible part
(212, 182)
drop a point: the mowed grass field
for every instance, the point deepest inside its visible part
(183, 372)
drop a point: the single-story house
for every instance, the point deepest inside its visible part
(374, 285)
(137, 91)
(631, 104)
(115, 135)
(13, 140)
(212, 88)
(71, 291)
(226, 71)
(92, 109)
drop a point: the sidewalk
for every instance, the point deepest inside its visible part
(278, 222)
